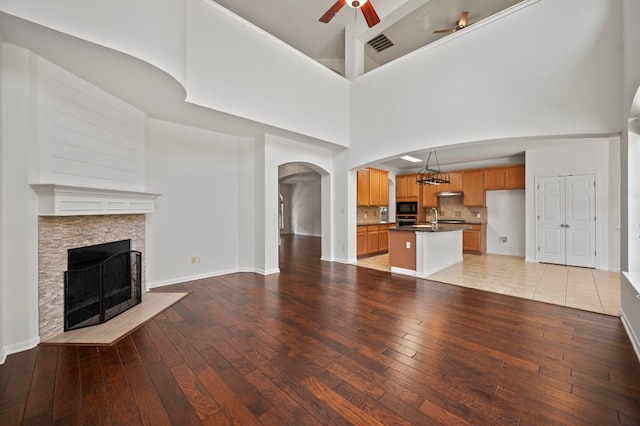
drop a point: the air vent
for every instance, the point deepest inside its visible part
(380, 43)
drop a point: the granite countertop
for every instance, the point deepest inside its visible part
(441, 227)
(374, 223)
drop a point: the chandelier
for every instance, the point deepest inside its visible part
(432, 176)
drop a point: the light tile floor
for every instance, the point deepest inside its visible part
(588, 289)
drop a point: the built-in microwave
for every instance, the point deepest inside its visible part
(407, 207)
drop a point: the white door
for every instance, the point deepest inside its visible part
(566, 228)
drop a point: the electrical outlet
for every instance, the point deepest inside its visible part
(408, 244)
(503, 239)
(195, 259)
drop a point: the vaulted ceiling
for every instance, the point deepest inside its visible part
(408, 24)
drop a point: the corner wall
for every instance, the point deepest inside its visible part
(197, 173)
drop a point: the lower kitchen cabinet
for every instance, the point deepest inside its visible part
(372, 239)
(361, 241)
(474, 239)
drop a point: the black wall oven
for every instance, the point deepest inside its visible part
(406, 207)
(406, 220)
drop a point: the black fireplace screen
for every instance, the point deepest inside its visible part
(100, 285)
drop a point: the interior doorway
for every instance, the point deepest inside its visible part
(300, 200)
(566, 219)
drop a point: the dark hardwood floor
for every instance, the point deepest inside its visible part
(326, 343)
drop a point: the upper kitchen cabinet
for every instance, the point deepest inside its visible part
(373, 187)
(514, 177)
(509, 177)
(406, 188)
(455, 182)
(363, 187)
(473, 188)
(429, 198)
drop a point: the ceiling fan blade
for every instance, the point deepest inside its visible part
(445, 31)
(463, 19)
(370, 14)
(332, 11)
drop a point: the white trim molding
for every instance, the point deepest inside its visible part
(64, 200)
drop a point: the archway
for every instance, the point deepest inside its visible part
(300, 192)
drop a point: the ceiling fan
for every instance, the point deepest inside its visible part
(462, 22)
(365, 6)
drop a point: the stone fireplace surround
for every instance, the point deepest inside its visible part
(57, 234)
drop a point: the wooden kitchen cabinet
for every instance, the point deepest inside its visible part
(429, 198)
(406, 188)
(361, 241)
(372, 187)
(362, 178)
(507, 177)
(474, 239)
(455, 182)
(384, 188)
(494, 178)
(372, 239)
(473, 188)
(383, 238)
(514, 177)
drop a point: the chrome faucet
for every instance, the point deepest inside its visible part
(433, 209)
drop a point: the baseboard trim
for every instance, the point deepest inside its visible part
(18, 347)
(635, 342)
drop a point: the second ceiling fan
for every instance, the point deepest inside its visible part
(462, 22)
(365, 6)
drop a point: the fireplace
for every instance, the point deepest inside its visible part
(102, 281)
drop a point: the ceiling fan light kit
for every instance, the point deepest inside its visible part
(431, 176)
(356, 4)
(365, 6)
(462, 22)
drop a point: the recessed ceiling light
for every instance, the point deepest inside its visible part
(412, 159)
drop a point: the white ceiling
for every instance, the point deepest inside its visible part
(297, 23)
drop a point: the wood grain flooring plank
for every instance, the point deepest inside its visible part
(150, 407)
(94, 395)
(19, 380)
(132, 363)
(289, 410)
(229, 403)
(122, 404)
(173, 399)
(203, 404)
(342, 406)
(39, 407)
(145, 347)
(67, 398)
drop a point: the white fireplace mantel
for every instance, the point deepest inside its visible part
(63, 200)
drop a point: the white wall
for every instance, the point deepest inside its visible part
(306, 205)
(583, 156)
(86, 136)
(19, 273)
(258, 77)
(197, 173)
(526, 74)
(506, 218)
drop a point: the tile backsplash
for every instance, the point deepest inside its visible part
(368, 215)
(452, 208)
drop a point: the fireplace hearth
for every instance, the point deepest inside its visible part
(102, 281)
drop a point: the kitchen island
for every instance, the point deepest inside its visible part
(422, 250)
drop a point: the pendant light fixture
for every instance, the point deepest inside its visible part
(432, 176)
